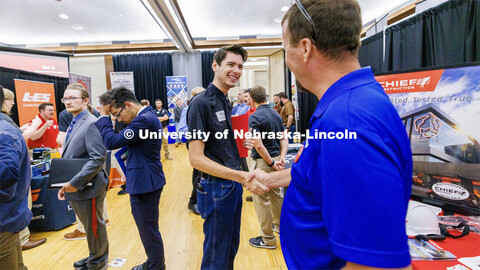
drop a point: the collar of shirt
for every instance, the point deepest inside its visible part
(213, 89)
(346, 83)
(263, 106)
(139, 111)
(79, 116)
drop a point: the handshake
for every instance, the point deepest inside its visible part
(259, 182)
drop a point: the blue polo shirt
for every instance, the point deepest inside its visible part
(348, 198)
(210, 111)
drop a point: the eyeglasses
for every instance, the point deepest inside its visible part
(65, 100)
(307, 16)
(116, 115)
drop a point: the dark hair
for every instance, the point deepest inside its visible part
(145, 102)
(338, 25)
(275, 95)
(2, 96)
(258, 94)
(220, 55)
(157, 100)
(282, 95)
(120, 95)
(247, 90)
(106, 98)
(42, 106)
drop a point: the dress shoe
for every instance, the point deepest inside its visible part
(81, 264)
(107, 222)
(122, 192)
(143, 266)
(33, 243)
(249, 199)
(193, 208)
(75, 235)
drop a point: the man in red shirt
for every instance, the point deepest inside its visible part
(46, 134)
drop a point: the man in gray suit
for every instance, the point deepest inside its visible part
(83, 140)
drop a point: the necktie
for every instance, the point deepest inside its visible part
(70, 128)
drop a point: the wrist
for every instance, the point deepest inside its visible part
(271, 164)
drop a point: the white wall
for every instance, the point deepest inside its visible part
(93, 67)
(277, 74)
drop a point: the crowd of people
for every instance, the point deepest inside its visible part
(335, 187)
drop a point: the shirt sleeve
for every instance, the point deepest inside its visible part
(64, 121)
(254, 123)
(362, 194)
(289, 110)
(9, 168)
(197, 119)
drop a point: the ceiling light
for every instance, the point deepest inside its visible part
(278, 19)
(284, 8)
(63, 16)
(77, 27)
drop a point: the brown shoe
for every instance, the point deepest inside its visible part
(75, 235)
(33, 243)
(107, 222)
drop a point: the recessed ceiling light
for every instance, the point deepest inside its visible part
(77, 27)
(63, 16)
(278, 19)
(120, 15)
(284, 8)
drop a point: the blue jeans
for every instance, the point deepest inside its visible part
(178, 139)
(220, 204)
(291, 129)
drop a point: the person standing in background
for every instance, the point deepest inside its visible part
(287, 113)
(162, 115)
(46, 134)
(177, 114)
(276, 101)
(15, 177)
(83, 140)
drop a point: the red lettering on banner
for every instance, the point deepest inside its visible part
(422, 81)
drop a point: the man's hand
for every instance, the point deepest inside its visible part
(104, 110)
(260, 176)
(61, 194)
(49, 123)
(256, 187)
(278, 166)
(69, 188)
(249, 142)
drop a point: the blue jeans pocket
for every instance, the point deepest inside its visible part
(202, 197)
(222, 189)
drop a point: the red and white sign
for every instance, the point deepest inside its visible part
(43, 64)
(30, 95)
(422, 81)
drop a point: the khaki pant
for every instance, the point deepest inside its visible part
(165, 143)
(81, 227)
(11, 252)
(25, 233)
(268, 206)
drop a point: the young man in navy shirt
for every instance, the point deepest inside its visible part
(220, 190)
(347, 198)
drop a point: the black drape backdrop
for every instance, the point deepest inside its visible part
(444, 35)
(8, 75)
(207, 71)
(149, 72)
(371, 52)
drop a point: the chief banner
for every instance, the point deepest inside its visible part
(176, 89)
(83, 80)
(30, 95)
(122, 79)
(441, 110)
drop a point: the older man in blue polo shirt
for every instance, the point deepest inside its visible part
(347, 198)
